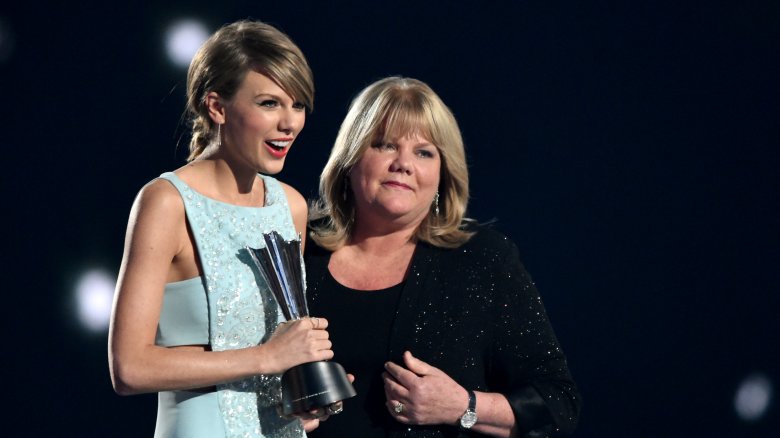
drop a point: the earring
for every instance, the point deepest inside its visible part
(219, 135)
(344, 192)
(436, 203)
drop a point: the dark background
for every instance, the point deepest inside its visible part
(629, 148)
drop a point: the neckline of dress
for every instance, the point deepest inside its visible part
(390, 289)
(267, 200)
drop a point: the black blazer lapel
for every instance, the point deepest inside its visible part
(420, 285)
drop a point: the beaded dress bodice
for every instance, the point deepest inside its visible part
(242, 311)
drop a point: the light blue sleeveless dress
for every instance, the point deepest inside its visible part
(230, 307)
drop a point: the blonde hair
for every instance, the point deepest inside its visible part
(223, 61)
(391, 107)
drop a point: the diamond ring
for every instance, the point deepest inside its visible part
(398, 408)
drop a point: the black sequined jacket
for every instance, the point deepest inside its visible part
(475, 313)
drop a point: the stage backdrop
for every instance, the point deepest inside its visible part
(629, 148)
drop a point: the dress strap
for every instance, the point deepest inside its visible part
(175, 180)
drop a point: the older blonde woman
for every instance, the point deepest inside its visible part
(435, 315)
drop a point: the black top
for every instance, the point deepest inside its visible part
(364, 319)
(475, 313)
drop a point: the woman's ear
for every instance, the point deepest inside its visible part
(215, 108)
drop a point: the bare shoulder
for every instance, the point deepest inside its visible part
(156, 229)
(296, 201)
(158, 205)
(298, 209)
(159, 194)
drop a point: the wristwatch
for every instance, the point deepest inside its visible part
(469, 418)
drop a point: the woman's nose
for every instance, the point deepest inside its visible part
(291, 121)
(401, 163)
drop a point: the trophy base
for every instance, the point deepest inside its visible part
(314, 385)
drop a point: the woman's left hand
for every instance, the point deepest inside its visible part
(422, 394)
(312, 419)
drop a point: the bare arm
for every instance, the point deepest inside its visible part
(155, 237)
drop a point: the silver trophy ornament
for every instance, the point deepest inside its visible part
(311, 385)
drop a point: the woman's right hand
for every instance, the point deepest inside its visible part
(296, 342)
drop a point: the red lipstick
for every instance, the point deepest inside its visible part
(278, 147)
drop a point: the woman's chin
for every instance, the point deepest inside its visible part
(399, 213)
(270, 168)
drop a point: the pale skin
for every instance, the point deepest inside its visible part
(393, 184)
(159, 249)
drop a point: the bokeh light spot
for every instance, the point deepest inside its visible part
(94, 297)
(182, 40)
(753, 397)
(7, 40)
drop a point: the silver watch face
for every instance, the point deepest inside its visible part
(468, 419)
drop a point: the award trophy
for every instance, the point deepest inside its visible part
(310, 385)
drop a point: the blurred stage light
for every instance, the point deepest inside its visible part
(6, 40)
(182, 39)
(94, 298)
(753, 397)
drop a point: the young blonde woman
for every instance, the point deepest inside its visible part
(192, 319)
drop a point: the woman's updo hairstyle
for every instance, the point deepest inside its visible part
(223, 61)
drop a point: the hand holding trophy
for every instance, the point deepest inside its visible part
(310, 385)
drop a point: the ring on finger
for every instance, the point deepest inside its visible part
(335, 408)
(398, 408)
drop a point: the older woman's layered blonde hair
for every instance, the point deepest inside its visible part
(394, 107)
(223, 61)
